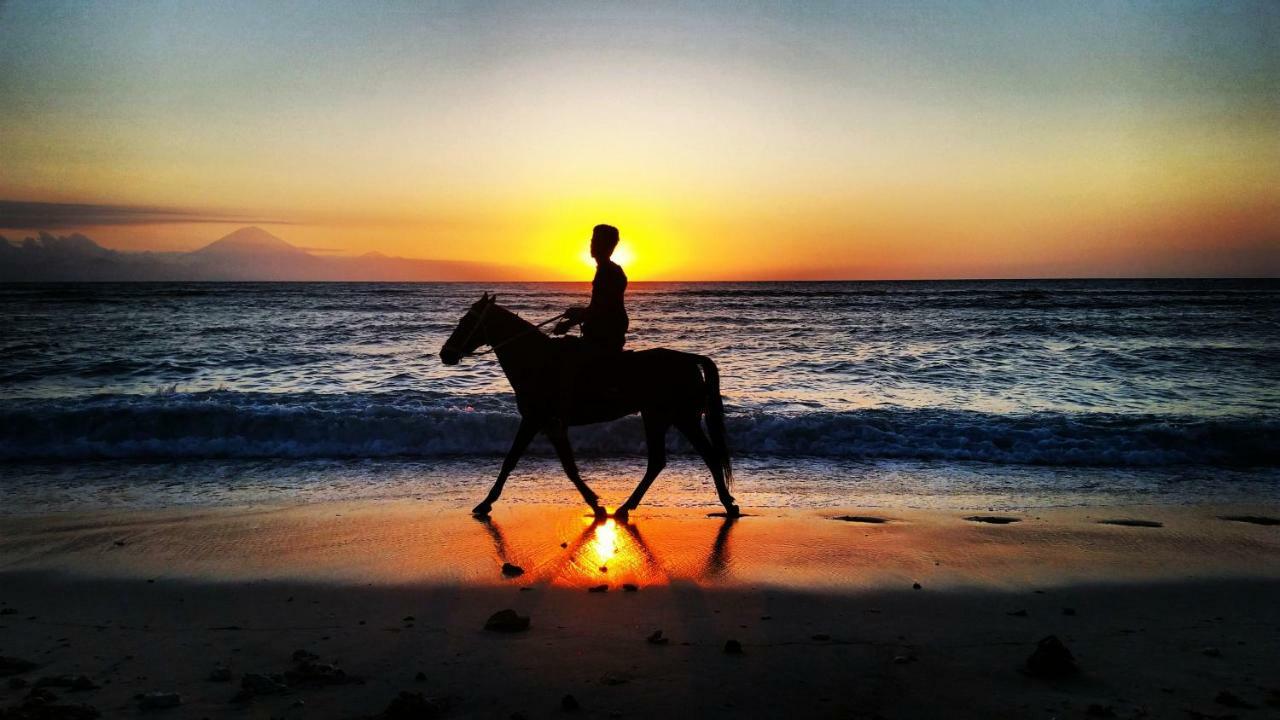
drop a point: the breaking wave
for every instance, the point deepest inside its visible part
(223, 424)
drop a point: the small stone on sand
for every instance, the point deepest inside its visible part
(732, 647)
(414, 706)
(1051, 659)
(598, 589)
(630, 587)
(916, 586)
(569, 703)
(656, 638)
(1251, 519)
(507, 621)
(868, 519)
(1129, 522)
(993, 519)
(512, 570)
(159, 700)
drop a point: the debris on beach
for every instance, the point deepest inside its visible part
(630, 587)
(1017, 613)
(916, 586)
(993, 519)
(15, 666)
(1051, 659)
(868, 519)
(254, 684)
(1212, 652)
(510, 570)
(598, 589)
(1251, 519)
(732, 647)
(507, 621)
(569, 703)
(820, 637)
(656, 638)
(42, 704)
(158, 700)
(1129, 522)
(67, 682)
(414, 706)
(1231, 700)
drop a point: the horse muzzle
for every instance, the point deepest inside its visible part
(449, 357)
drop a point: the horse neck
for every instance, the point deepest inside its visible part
(520, 347)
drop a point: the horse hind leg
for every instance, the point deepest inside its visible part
(655, 435)
(692, 429)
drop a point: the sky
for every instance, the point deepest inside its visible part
(744, 141)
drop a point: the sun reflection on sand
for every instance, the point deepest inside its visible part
(615, 553)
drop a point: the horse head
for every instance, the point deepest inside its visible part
(469, 334)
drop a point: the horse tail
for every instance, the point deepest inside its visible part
(715, 417)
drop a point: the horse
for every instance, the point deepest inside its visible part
(666, 387)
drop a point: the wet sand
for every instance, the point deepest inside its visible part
(1163, 621)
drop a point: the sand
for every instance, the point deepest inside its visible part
(1163, 621)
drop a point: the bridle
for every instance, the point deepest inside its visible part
(493, 347)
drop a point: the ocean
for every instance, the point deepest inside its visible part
(922, 394)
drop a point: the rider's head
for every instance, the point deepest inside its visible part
(604, 238)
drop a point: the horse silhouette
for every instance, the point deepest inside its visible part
(666, 387)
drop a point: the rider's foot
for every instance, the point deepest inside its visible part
(482, 509)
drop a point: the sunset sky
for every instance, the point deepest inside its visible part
(778, 140)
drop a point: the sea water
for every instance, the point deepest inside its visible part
(966, 394)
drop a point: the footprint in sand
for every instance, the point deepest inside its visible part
(1132, 523)
(993, 519)
(1251, 519)
(869, 519)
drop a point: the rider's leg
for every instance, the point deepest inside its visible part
(655, 435)
(524, 434)
(692, 429)
(560, 441)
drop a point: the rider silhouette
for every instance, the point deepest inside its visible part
(604, 321)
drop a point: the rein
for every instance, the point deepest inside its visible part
(493, 347)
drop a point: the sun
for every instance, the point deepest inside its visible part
(623, 255)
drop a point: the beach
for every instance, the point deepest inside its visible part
(1161, 621)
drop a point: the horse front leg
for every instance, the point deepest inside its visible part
(559, 437)
(524, 434)
(655, 436)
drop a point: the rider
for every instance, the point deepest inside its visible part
(604, 321)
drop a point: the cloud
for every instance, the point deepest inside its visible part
(25, 214)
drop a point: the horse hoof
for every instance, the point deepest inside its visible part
(481, 510)
(732, 511)
(621, 514)
(600, 512)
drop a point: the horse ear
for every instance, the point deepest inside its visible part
(493, 298)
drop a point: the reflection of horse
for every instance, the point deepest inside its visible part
(666, 387)
(582, 556)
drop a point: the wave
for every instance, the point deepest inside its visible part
(224, 424)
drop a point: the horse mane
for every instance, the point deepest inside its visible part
(505, 313)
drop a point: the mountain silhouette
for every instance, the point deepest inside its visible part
(247, 254)
(248, 241)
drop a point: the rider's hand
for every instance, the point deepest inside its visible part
(562, 327)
